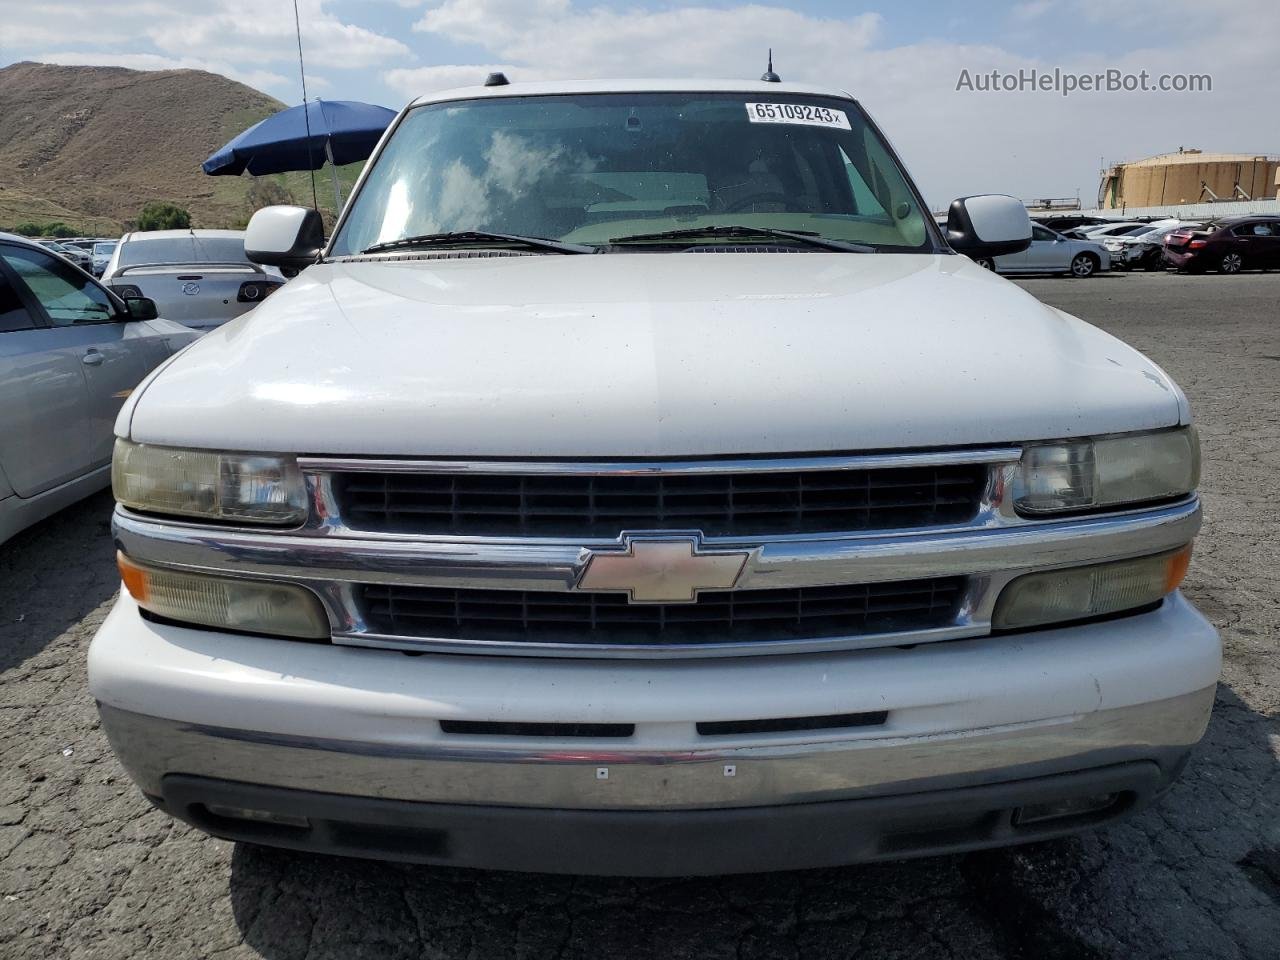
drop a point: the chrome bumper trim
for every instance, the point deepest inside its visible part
(566, 774)
(989, 556)
(555, 566)
(964, 627)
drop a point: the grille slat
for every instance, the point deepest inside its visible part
(728, 504)
(515, 616)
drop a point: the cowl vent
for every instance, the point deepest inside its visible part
(435, 255)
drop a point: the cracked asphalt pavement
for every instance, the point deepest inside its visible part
(89, 870)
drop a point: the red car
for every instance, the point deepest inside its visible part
(1228, 246)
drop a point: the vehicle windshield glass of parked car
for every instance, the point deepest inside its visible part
(591, 169)
(182, 249)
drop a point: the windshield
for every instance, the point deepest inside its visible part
(592, 168)
(103, 249)
(183, 249)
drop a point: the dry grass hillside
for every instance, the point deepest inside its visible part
(92, 145)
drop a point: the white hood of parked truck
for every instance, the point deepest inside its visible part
(648, 355)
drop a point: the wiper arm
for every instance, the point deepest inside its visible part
(742, 232)
(478, 236)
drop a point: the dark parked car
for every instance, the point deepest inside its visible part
(1228, 246)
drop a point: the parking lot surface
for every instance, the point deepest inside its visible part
(89, 870)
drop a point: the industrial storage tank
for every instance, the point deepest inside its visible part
(1189, 176)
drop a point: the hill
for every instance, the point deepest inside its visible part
(92, 145)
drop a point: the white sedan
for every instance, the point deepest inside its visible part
(1052, 253)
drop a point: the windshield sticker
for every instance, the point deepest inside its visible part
(803, 113)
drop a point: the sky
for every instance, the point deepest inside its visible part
(902, 59)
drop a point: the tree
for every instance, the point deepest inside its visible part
(29, 229)
(59, 229)
(267, 192)
(162, 215)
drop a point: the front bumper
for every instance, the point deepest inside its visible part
(668, 843)
(973, 729)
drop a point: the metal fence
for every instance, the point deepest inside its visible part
(1192, 211)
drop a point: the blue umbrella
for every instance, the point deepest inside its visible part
(342, 131)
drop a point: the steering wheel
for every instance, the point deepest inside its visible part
(756, 199)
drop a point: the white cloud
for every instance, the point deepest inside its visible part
(556, 35)
(240, 29)
(412, 82)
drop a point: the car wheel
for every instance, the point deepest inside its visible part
(986, 263)
(1083, 265)
(1231, 263)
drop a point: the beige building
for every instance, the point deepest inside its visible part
(1190, 176)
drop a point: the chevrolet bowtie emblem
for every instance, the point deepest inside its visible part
(666, 570)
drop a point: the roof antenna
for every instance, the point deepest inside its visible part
(769, 76)
(306, 111)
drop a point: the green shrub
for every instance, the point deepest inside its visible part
(56, 228)
(161, 215)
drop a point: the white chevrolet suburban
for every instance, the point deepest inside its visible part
(638, 482)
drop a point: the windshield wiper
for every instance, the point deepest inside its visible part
(478, 236)
(744, 233)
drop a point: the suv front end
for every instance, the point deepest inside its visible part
(772, 663)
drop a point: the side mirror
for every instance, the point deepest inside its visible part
(284, 237)
(141, 308)
(990, 225)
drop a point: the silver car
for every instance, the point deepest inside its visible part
(1051, 252)
(199, 278)
(102, 251)
(70, 354)
(71, 254)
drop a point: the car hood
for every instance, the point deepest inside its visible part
(648, 354)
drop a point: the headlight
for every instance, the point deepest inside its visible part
(1077, 593)
(236, 487)
(278, 609)
(1089, 474)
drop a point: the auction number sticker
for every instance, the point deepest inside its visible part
(803, 113)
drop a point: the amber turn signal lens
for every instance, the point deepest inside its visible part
(225, 603)
(134, 577)
(1176, 570)
(1080, 593)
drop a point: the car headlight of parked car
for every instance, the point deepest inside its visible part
(1089, 474)
(230, 487)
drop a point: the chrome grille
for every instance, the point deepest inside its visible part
(747, 503)
(733, 616)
